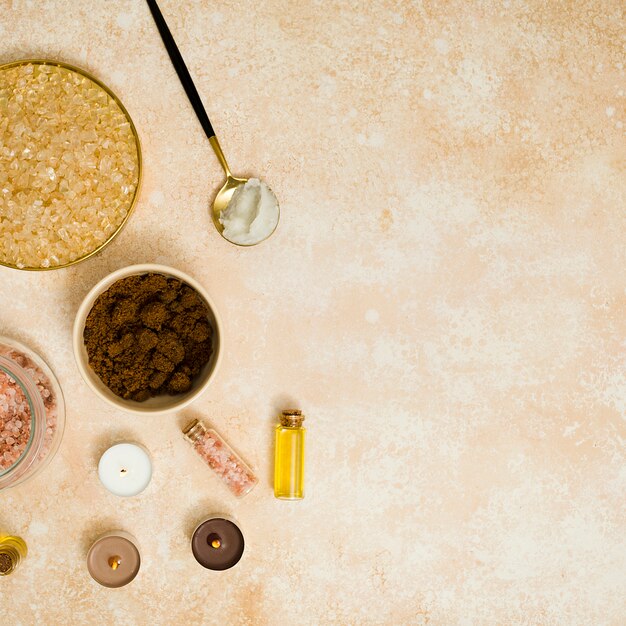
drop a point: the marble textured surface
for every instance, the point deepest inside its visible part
(444, 297)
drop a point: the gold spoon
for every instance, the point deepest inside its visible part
(226, 192)
(232, 182)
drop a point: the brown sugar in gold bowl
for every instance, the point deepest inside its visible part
(163, 401)
(70, 165)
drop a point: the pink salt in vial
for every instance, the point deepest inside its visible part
(32, 413)
(221, 458)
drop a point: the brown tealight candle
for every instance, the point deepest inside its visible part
(113, 560)
(217, 543)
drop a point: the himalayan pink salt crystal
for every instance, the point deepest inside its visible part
(221, 458)
(15, 412)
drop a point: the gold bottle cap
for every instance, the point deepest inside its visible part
(292, 417)
(7, 563)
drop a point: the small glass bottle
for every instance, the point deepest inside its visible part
(221, 458)
(289, 456)
(12, 551)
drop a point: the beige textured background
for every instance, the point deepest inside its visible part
(445, 298)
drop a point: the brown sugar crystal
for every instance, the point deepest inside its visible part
(148, 335)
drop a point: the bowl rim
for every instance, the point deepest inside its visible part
(133, 204)
(87, 303)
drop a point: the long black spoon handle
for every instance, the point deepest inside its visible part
(181, 68)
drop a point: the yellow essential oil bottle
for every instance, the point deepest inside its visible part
(12, 551)
(289, 456)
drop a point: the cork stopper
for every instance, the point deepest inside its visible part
(193, 431)
(292, 418)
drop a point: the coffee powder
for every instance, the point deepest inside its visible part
(148, 335)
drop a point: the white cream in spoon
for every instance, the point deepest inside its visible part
(251, 215)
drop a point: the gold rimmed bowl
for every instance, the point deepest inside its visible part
(70, 165)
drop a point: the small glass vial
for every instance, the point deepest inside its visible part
(289, 456)
(12, 551)
(221, 458)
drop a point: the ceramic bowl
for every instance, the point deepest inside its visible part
(162, 403)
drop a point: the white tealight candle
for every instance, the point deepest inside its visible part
(125, 469)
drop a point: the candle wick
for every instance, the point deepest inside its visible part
(123, 471)
(114, 562)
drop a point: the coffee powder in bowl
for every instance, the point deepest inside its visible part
(147, 340)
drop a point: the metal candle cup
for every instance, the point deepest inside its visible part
(217, 543)
(113, 560)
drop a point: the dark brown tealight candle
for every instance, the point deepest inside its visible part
(217, 543)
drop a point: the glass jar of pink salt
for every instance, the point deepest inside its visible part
(32, 413)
